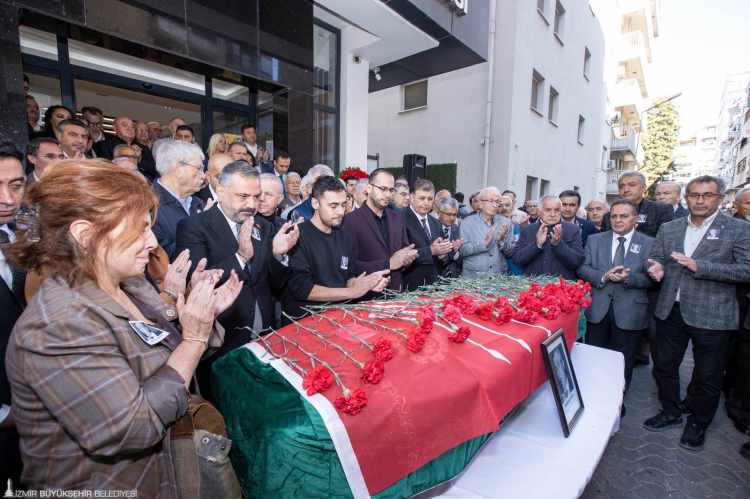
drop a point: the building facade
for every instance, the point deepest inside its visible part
(298, 70)
(544, 91)
(730, 160)
(694, 156)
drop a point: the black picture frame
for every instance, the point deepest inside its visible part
(562, 380)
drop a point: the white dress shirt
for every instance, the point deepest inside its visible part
(252, 149)
(615, 243)
(427, 222)
(213, 193)
(233, 227)
(694, 235)
(5, 272)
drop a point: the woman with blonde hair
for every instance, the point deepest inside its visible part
(217, 144)
(98, 364)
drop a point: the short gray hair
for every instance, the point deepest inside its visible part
(399, 185)
(606, 204)
(549, 196)
(320, 168)
(306, 180)
(361, 183)
(741, 192)
(443, 190)
(669, 182)
(493, 190)
(292, 174)
(118, 148)
(449, 201)
(242, 168)
(632, 173)
(176, 150)
(719, 181)
(277, 180)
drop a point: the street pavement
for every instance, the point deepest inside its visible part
(642, 464)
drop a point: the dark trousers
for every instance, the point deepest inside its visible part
(709, 353)
(738, 400)
(606, 334)
(647, 342)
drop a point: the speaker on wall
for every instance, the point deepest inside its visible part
(415, 167)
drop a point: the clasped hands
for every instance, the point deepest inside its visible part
(616, 274)
(541, 235)
(500, 235)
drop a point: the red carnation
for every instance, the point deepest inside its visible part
(425, 328)
(382, 349)
(485, 311)
(459, 335)
(551, 289)
(373, 371)
(551, 312)
(567, 305)
(317, 380)
(527, 316)
(352, 402)
(452, 314)
(504, 315)
(415, 340)
(586, 302)
(501, 302)
(465, 304)
(426, 314)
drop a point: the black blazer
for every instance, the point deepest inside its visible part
(208, 235)
(451, 267)
(205, 194)
(426, 267)
(655, 215)
(169, 214)
(680, 212)
(106, 149)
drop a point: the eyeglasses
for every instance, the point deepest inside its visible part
(130, 156)
(449, 215)
(197, 167)
(141, 129)
(491, 201)
(708, 196)
(293, 184)
(384, 189)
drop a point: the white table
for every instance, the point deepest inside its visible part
(530, 458)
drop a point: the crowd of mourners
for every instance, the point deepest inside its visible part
(131, 261)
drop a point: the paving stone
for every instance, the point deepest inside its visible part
(655, 477)
(721, 486)
(690, 489)
(652, 491)
(658, 450)
(657, 462)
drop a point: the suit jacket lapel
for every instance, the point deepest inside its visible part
(256, 259)
(412, 219)
(219, 225)
(630, 255)
(718, 223)
(7, 298)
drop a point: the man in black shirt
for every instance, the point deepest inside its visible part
(323, 262)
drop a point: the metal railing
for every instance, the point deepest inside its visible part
(623, 139)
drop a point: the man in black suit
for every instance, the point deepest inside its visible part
(216, 163)
(651, 216)
(378, 234)
(231, 238)
(670, 193)
(426, 234)
(12, 303)
(448, 211)
(125, 134)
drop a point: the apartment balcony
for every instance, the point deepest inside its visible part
(627, 93)
(623, 139)
(612, 176)
(633, 46)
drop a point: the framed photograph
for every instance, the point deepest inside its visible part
(563, 381)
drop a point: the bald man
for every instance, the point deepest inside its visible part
(669, 192)
(216, 163)
(125, 134)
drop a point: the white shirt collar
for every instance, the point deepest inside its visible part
(420, 217)
(232, 223)
(675, 206)
(213, 193)
(706, 222)
(628, 238)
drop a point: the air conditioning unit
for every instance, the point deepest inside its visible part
(610, 164)
(616, 118)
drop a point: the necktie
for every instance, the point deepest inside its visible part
(426, 228)
(619, 252)
(446, 233)
(257, 320)
(18, 275)
(283, 188)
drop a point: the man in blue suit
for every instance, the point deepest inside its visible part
(571, 202)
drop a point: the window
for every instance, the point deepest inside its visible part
(541, 7)
(537, 89)
(544, 188)
(559, 21)
(552, 112)
(414, 96)
(581, 128)
(586, 62)
(326, 49)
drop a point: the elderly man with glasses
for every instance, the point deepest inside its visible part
(447, 212)
(181, 167)
(487, 239)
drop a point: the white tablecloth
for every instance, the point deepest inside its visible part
(530, 458)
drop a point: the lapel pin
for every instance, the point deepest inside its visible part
(170, 313)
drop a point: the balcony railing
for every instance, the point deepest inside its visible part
(612, 176)
(626, 93)
(623, 139)
(632, 45)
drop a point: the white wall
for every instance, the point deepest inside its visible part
(354, 103)
(452, 125)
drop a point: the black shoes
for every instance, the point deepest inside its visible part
(742, 425)
(693, 437)
(745, 451)
(641, 362)
(662, 421)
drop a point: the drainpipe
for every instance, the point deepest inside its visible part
(490, 72)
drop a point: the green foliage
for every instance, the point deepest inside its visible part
(659, 141)
(443, 175)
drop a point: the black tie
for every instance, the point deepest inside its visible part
(446, 233)
(619, 253)
(19, 275)
(426, 228)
